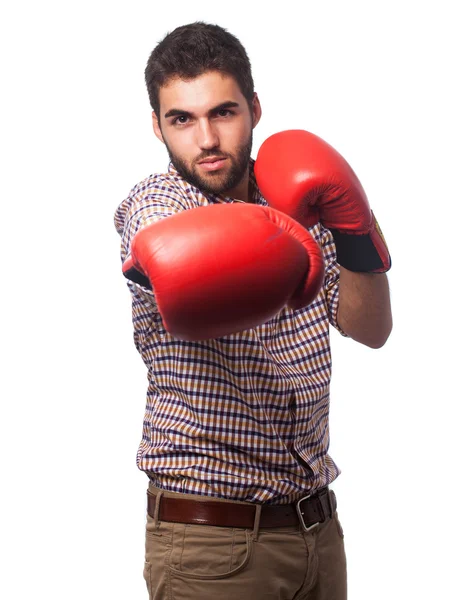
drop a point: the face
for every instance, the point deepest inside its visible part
(206, 125)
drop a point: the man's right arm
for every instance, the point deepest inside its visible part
(219, 269)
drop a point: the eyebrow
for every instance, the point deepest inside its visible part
(174, 112)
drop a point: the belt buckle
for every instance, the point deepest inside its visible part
(301, 513)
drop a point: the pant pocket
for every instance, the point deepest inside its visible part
(157, 545)
(203, 552)
(147, 577)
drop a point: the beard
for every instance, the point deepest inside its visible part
(214, 183)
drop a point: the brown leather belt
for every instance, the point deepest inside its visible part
(309, 511)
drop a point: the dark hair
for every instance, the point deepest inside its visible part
(191, 50)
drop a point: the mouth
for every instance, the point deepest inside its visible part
(213, 163)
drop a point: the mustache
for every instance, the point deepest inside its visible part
(210, 154)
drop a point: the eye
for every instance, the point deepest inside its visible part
(224, 112)
(180, 120)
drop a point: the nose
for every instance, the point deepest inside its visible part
(207, 135)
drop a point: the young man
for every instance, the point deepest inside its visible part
(232, 296)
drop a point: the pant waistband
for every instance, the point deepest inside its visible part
(309, 511)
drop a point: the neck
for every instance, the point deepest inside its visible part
(243, 191)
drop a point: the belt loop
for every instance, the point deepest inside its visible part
(258, 512)
(156, 508)
(332, 502)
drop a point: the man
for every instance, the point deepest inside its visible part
(232, 297)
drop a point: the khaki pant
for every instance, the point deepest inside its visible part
(200, 562)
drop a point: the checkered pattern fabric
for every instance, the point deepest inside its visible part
(245, 416)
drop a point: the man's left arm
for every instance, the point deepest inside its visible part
(303, 176)
(364, 311)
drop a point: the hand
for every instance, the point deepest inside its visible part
(220, 269)
(303, 176)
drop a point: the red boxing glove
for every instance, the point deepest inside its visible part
(220, 269)
(303, 176)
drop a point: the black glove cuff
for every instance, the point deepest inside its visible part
(137, 277)
(359, 253)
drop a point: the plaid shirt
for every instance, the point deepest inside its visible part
(244, 416)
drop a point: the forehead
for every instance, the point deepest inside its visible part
(200, 94)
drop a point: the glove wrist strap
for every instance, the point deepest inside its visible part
(133, 273)
(366, 253)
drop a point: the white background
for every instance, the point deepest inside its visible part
(372, 78)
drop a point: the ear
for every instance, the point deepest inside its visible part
(156, 128)
(256, 110)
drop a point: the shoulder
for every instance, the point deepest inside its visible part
(159, 192)
(159, 187)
